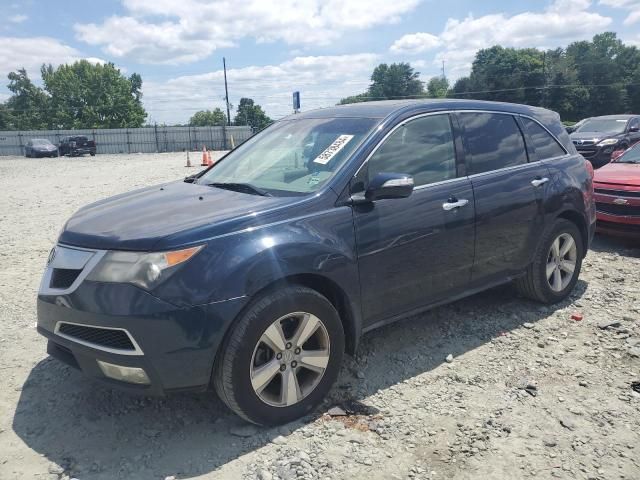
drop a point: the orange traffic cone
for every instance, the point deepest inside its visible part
(205, 157)
(188, 160)
(209, 158)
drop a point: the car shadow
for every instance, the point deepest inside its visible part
(95, 432)
(629, 247)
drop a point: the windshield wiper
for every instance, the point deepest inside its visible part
(240, 187)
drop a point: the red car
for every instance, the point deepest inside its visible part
(617, 195)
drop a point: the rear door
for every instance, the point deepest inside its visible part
(508, 192)
(417, 250)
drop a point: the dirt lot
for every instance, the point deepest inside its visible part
(528, 392)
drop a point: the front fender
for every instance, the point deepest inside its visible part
(243, 263)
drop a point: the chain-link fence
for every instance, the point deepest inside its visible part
(133, 140)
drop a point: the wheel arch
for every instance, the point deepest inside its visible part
(578, 220)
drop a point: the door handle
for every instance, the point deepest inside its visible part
(539, 181)
(455, 204)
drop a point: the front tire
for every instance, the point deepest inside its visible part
(282, 356)
(556, 267)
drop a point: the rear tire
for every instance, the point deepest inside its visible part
(555, 269)
(252, 372)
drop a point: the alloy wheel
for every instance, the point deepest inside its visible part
(290, 359)
(561, 262)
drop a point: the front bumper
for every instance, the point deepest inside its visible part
(177, 344)
(598, 156)
(618, 210)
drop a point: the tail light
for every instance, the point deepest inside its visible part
(590, 169)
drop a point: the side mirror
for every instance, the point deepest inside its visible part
(634, 129)
(570, 129)
(389, 185)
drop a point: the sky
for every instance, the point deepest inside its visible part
(326, 49)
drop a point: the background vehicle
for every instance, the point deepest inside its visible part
(77, 145)
(617, 193)
(598, 137)
(40, 147)
(257, 275)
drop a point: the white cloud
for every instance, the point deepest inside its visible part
(561, 22)
(183, 31)
(322, 81)
(415, 43)
(18, 18)
(633, 6)
(31, 53)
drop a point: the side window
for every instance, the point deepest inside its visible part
(494, 141)
(422, 148)
(545, 145)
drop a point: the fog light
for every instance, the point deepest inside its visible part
(124, 374)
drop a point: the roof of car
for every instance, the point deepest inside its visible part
(384, 108)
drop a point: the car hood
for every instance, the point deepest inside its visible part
(594, 137)
(44, 147)
(619, 174)
(164, 216)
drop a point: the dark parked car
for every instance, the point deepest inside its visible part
(40, 147)
(256, 275)
(598, 137)
(77, 145)
(617, 194)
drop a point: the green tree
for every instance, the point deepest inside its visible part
(6, 120)
(398, 80)
(249, 113)
(206, 118)
(86, 95)
(438, 87)
(29, 105)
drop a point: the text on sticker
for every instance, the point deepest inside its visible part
(331, 151)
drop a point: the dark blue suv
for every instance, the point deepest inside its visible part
(257, 274)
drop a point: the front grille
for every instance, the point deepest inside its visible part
(613, 209)
(103, 337)
(63, 278)
(583, 143)
(587, 153)
(618, 193)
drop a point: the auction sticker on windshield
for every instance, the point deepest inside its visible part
(332, 150)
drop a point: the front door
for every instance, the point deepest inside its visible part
(417, 250)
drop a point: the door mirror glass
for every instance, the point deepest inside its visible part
(389, 185)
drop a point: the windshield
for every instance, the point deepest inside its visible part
(292, 156)
(630, 156)
(608, 125)
(40, 141)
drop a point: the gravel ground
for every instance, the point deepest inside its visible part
(490, 387)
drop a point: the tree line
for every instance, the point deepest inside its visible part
(87, 95)
(585, 79)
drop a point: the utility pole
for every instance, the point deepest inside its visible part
(544, 78)
(443, 75)
(226, 91)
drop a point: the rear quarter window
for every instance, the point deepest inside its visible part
(494, 141)
(544, 144)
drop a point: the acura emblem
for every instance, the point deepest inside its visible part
(52, 255)
(621, 201)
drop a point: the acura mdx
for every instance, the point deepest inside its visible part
(256, 275)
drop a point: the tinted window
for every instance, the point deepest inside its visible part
(634, 123)
(494, 141)
(545, 145)
(422, 148)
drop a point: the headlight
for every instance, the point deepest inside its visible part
(608, 141)
(143, 269)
